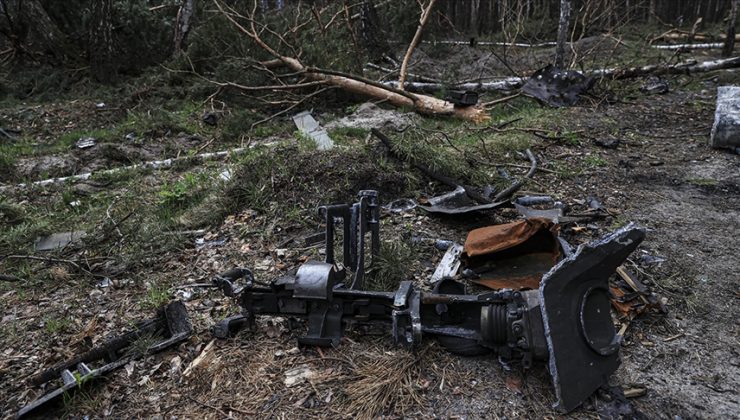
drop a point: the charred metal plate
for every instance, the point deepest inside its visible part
(557, 87)
(575, 305)
(314, 280)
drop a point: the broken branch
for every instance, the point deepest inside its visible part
(425, 13)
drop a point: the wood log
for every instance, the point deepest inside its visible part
(545, 44)
(422, 104)
(726, 128)
(513, 83)
(688, 67)
(703, 46)
(505, 85)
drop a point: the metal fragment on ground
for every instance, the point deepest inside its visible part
(655, 85)
(58, 240)
(400, 205)
(456, 202)
(553, 214)
(520, 326)
(726, 127)
(85, 142)
(306, 123)
(449, 265)
(171, 324)
(512, 255)
(556, 87)
(584, 274)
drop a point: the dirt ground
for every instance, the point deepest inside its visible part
(662, 175)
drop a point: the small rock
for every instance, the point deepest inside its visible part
(210, 118)
(655, 85)
(175, 366)
(85, 142)
(297, 375)
(294, 351)
(610, 143)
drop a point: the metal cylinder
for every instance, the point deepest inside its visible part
(493, 323)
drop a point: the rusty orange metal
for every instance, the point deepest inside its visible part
(512, 255)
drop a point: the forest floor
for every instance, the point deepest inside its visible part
(150, 233)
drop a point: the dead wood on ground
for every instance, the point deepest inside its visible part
(422, 104)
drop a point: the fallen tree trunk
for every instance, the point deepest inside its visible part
(513, 83)
(681, 68)
(704, 46)
(422, 104)
(695, 37)
(507, 84)
(493, 43)
(154, 164)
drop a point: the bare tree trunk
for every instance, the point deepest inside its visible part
(425, 13)
(102, 66)
(182, 27)
(31, 29)
(730, 40)
(565, 7)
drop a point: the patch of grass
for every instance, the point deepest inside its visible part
(503, 144)
(156, 296)
(239, 124)
(391, 266)
(348, 135)
(595, 161)
(55, 325)
(181, 194)
(159, 122)
(566, 170)
(703, 182)
(304, 141)
(571, 138)
(140, 346)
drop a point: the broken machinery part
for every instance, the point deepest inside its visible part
(171, 324)
(566, 322)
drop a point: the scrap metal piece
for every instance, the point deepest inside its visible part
(655, 85)
(310, 127)
(457, 202)
(574, 298)
(357, 219)
(726, 127)
(171, 323)
(58, 240)
(228, 327)
(85, 142)
(553, 214)
(556, 87)
(565, 321)
(462, 98)
(513, 255)
(449, 265)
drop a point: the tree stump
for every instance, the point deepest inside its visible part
(726, 128)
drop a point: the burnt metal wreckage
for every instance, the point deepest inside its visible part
(171, 326)
(565, 323)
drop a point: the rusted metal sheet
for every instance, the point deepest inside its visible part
(513, 255)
